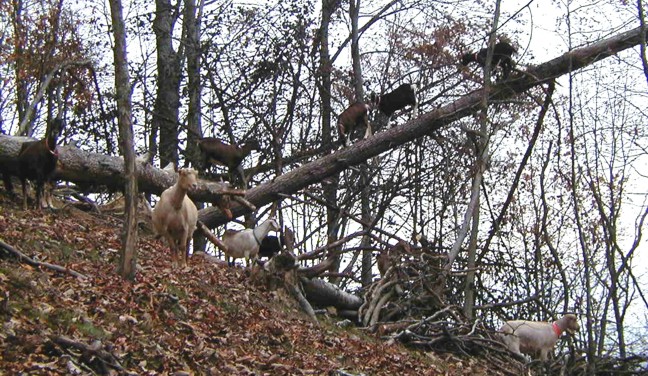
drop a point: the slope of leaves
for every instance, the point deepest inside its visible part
(205, 319)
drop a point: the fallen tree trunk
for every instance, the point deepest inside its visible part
(323, 294)
(88, 169)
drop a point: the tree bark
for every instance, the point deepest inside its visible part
(482, 157)
(95, 172)
(428, 123)
(191, 25)
(330, 190)
(323, 294)
(365, 194)
(19, 31)
(128, 254)
(167, 101)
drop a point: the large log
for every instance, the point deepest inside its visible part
(428, 123)
(93, 169)
(323, 294)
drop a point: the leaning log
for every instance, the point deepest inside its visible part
(428, 123)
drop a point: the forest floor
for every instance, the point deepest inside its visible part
(206, 319)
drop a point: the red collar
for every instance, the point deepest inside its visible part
(556, 330)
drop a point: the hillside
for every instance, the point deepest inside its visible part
(206, 319)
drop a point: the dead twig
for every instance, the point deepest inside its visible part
(89, 352)
(30, 261)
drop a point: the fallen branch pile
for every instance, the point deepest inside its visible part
(407, 305)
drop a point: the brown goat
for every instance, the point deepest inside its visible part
(175, 215)
(354, 116)
(215, 151)
(392, 255)
(37, 160)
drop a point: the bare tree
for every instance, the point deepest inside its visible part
(128, 254)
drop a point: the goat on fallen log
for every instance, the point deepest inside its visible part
(356, 115)
(502, 52)
(215, 151)
(37, 161)
(175, 215)
(399, 98)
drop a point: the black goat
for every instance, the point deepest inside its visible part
(37, 160)
(354, 116)
(270, 246)
(402, 96)
(501, 58)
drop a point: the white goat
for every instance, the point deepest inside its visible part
(175, 215)
(246, 243)
(531, 337)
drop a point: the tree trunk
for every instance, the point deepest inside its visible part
(128, 255)
(21, 84)
(365, 194)
(167, 101)
(330, 190)
(194, 87)
(482, 157)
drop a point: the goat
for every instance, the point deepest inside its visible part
(37, 160)
(531, 337)
(215, 151)
(175, 215)
(354, 116)
(392, 255)
(400, 97)
(271, 245)
(501, 58)
(246, 243)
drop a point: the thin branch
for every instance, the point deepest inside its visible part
(30, 261)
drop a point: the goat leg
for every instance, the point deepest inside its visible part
(368, 132)
(241, 174)
(24, 191)
(40, 196)
(6, 178)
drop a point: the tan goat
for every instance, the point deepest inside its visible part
(175, 215)
(531, 337)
